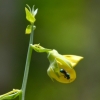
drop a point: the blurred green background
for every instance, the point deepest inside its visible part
(69, 26)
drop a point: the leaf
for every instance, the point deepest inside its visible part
(29, 16)
(11, 95)
(28, 29)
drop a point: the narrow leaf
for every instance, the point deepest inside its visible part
(29, 16)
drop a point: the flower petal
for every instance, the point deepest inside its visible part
(53, 68)
(54, 72)
(73, 59)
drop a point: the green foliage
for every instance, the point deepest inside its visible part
(28, 29)
(29, 16)
(11, 95)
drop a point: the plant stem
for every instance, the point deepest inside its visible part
(28, 60)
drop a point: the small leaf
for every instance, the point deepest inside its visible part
(28, 29)
(34, 12)
(29, 16)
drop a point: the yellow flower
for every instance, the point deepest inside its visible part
(61, 66)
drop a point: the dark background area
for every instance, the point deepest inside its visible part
(69, 26)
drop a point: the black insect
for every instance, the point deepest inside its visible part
(66, 75)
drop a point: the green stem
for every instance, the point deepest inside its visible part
(28, 60)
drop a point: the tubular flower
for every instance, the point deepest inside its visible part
(61, 66)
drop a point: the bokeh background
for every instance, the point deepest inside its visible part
(69, 26)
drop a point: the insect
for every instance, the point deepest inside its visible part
(66, 75)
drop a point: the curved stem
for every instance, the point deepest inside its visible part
(28, 60)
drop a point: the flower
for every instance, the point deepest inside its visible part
(61, 67)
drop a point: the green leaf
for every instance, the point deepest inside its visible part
(28, 29)
(11, 95)
(29, 16)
